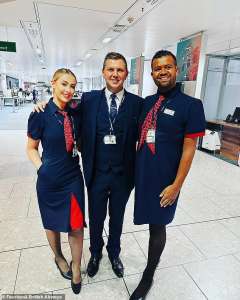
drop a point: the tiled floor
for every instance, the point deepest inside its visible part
(201, 259)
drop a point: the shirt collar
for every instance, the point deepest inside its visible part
(172, 92)
(53, 107)
(119, 94)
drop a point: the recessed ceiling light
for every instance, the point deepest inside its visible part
(38, 50)
(88, 55)
(79, 63)
(106, 40)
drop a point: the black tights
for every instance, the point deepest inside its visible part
(157, 241)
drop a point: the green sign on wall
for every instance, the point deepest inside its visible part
(7, 46)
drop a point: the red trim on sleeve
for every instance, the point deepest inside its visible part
(76, 215)
(194, 135)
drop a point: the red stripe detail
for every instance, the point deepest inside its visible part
(194, 135)
(76, 215)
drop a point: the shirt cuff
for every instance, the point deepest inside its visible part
(194, 135)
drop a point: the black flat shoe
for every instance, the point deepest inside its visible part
(66, 275)
(76, 287)
(117, 266)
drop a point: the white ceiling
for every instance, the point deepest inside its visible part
(71, 28)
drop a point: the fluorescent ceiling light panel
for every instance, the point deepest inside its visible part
(5, 1)
(38, 50)
(106, 40)
(88, 55)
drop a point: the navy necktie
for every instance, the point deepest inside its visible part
(113, 108)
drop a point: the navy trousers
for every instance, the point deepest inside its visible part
(108, 189)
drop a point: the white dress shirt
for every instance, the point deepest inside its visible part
(119, 98)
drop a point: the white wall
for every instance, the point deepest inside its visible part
(3, 83)
(211, 95)
(149, 86)
(231, 95)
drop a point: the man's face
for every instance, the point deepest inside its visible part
(164, 72)
(115, 72)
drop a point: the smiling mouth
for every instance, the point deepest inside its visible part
(68, 96)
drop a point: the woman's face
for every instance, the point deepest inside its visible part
(64, 87)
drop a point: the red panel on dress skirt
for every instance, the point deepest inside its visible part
(76, 215)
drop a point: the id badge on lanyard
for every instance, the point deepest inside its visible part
(150, 138)
(75, 150)
(110, 139)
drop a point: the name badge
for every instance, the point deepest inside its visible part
(169, 112)
(74, 151)
(110, 139)
(150, 136)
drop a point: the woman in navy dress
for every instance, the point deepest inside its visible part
(60, 187)
(169, 126)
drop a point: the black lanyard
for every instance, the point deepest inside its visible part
(111, 129)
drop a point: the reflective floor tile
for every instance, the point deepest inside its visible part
(104, 290)
(219, 278)
(132, 256)
(22, 233)
(169, 284)
(212, 238)
(233, 225)
(8, 266)
(38, 273)
(201, 208)
(179, 249)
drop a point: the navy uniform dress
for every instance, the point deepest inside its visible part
(60, 187)
(179, 116)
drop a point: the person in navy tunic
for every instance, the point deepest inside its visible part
(60, 187)
(170, 124)
(109, 120)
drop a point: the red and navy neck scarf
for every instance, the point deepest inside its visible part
(150, 122)
(68, 132)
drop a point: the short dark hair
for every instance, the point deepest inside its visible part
(114, 56)
(162, 53)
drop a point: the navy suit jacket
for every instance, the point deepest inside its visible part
(89, 109)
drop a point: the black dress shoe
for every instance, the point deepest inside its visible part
(76, 287)
(93, 265)
(117, 266)
(66, 275)
(141, 295)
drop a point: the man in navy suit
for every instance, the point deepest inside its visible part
(109, 119)
(108, 144)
